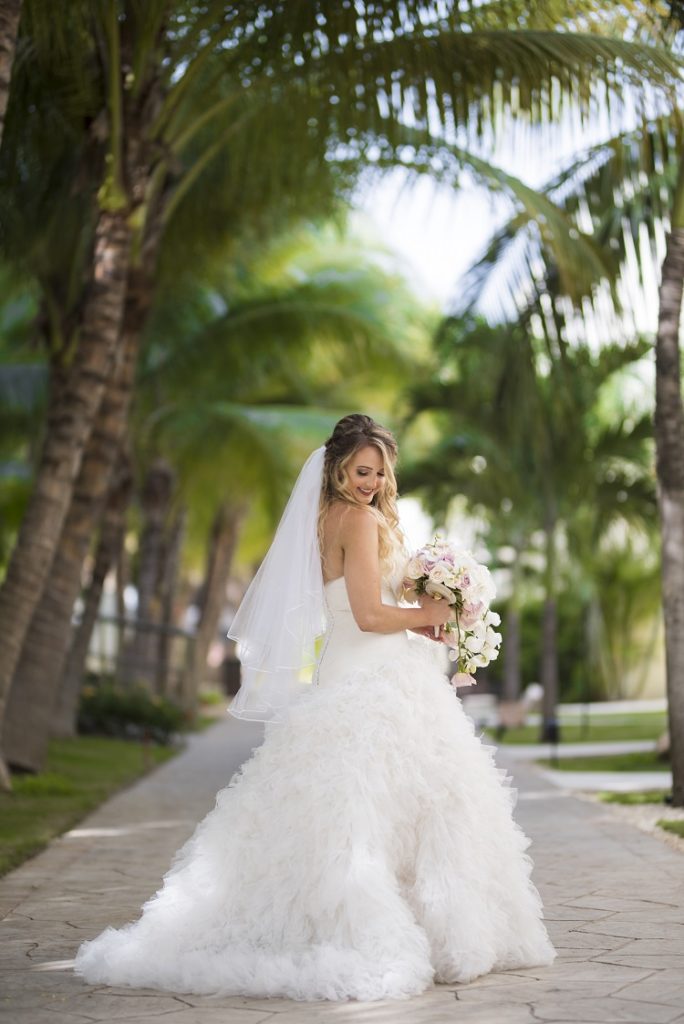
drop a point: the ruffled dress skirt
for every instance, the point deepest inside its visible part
(366, 850)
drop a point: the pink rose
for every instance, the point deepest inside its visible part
(469, 614)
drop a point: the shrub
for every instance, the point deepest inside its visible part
(132, 712)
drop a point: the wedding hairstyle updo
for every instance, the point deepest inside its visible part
(350, 435)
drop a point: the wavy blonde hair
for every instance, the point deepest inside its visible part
(350, 435)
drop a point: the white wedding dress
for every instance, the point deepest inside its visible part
(365, 850)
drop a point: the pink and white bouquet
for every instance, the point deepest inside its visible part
(452, 574)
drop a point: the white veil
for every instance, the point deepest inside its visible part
(283, 611)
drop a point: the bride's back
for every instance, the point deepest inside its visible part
(330, 534)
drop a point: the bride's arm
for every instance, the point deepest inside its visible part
(359, 538)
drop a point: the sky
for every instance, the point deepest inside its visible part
(438, 232)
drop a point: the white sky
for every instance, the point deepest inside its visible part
(438, 231)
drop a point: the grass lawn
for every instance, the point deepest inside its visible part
(643, 796)
(648, 725)
(641, 761)
(677, 827)
(645, 726)
(80, 773)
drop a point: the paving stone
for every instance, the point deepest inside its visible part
(654, 961)
(614, 899)
(604, 1011)
(670, 930)
(664, 986)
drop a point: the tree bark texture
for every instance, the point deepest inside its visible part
(35, 686)
(10, 13)
(669, 433)
(112, 532)
(69, 427)
(139, 661)
(221, 549)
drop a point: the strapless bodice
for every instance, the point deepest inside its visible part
(346, 648)
(337, 599)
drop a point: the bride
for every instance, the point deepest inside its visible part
(367, 848)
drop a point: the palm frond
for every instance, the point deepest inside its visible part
(619, 191)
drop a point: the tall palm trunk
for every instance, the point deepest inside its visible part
(511, 647)
(69, 427)
(10, 12)
(669, 434)
(112, 533)
(139, 662)
(26, 729)
(167, 597)
(223, 541)
(549, 645)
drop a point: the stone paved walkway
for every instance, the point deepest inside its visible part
(614, 901)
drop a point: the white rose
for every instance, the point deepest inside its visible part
(474, 644)
(415, 568)
(438, 590)
(440, 572)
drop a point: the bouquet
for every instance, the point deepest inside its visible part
(452, 574)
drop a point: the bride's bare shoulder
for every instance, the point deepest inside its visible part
(346, 517)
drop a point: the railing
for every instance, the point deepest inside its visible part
(136, 651)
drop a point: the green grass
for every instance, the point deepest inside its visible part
(677, 827)
(648, 725)
(209, 697)
(641, 761)
(202, 722)
(80, 773)
(643, 796)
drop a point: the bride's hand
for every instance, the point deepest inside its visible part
(429, 632)
(438, 613)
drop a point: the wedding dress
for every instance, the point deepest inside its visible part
(365, 850)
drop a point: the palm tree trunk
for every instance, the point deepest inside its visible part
(549, 646)
(112, 533)
(511, 648)
(167, 596)
(10, 12)
(139, 659)
(69, 427)
(222, 544)
(669, 434)
(26, 729)
(511, 663)
(27, 725)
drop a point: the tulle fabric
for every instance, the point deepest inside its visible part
(364, 851)
(283, 612)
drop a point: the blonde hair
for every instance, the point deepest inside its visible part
(350, 435)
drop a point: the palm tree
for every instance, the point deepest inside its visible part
(216, 363)
(108, 552)
(519, 433)
(630, 185)
(669, 434)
